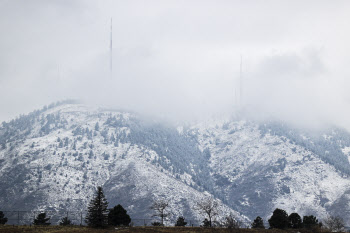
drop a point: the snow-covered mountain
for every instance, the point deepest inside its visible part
(259, 170)
(54, 159)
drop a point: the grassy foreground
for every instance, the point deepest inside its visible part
(78, 229)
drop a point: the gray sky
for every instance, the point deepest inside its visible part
(179, 59)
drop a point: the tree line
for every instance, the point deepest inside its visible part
(99, 216)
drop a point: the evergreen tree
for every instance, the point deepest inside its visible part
(258, 223)
(91, 154)
(97, 214)
(97, 126)
(180, 222)
(279, 219)
(3, 220)
(310, 221)
(41, 220)
(118, 216)
(66, 141)
(295, 221)
(65, 221)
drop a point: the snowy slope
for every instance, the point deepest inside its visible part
(54, 158)
(71, 149)
(260, 172)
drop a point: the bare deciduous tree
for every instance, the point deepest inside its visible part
(160, 206)
(334, 223)
(232, 222)
(209, 207)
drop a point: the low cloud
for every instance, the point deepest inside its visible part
(179, 60)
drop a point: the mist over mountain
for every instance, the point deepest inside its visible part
(54, 158)
(179, 60)
(246, 102)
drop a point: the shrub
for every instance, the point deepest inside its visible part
(156, 224)
(310, 221)
(206, 223)
(65, 222)
(41, 220)
(180, 222)
(258, 223)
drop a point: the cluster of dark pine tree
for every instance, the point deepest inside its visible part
(281, 220)
(100, 216)
(40, 220)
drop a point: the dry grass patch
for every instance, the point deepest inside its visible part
(82, 229)
(53, 229)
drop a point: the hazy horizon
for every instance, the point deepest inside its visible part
(179, 59)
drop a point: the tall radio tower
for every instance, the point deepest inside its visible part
(240, 84)
(111, 52)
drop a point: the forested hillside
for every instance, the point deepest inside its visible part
(54, 158)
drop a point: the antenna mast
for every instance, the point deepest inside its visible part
(111, 47)
(240, 84)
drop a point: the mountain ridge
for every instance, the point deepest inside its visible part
(55, 157)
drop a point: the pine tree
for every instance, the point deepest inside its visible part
(3, 220)
(91, 154)
(41, 220)
(97, 126)
(118, 216)
(258, 223)
(180, 222)
(97, 215)
(279, 219)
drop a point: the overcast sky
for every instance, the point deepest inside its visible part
(179, 59)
